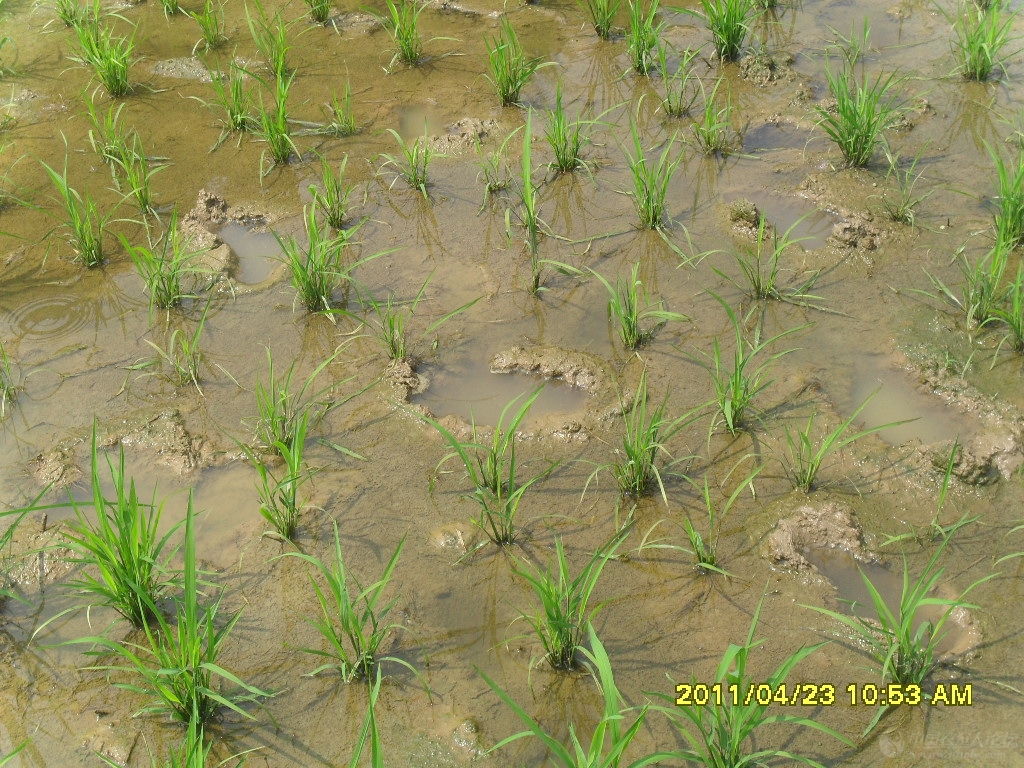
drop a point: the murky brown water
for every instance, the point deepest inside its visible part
(77, 337)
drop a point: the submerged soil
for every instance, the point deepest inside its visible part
(79, 344)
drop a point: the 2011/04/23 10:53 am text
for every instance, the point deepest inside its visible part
(822, 694)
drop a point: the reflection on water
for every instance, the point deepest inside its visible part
(258, 252)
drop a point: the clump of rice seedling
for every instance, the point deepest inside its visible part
(983, 290)
(402, 23)
(332, 198)
(354, 619)
(863, 112)
(565, 603)
(602, 15)
(182, 354)
(341, 121)
(738, 384)
(316, 270)
(235, 100)
(319, 10)
(566, 137)
(1010, 214)
(979, 37)
(609, 739)
(902, 208)
(107, 135)
(729, 23)
(165, 265)
(109, 56)
(682, 87)
(270, 34)
(84, 226)
(725, 725)
(177, 668)
(1011, 312)
(273, 128)
(761, 270)
(170, 7)
(629, 307)
(280, 500)
(713, 130)
(414, 161)
(643, 35)
(651, 179)
(134, 174)
(494, 168)
(806, 454)
(508, 65)
(902, 644)
(211, 25)
(493, 470)
(118, 541)
(704, 549)
(71, 12)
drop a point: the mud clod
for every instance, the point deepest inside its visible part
(856, 232)
(830, 526)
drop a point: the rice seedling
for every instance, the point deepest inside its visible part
(609, 739)
(83, 225)
(107, 135)
(602, 15)
(170, 7)
(8, 382)
(134, 176)
(370, 731)
(629, 306)
(319, 10)
(109, 56)
(737, 385)
(1011, 312)
(177, 667)
(494, 168)
(864, 110)
(402, 22)
(643, 35)
(317, 269)
(729, 22)
(494, 470)
(982, 292)
(331, 198)
(565, 137)
(902, 208)
(273, 128)
(118, 541)
(413, 163)
(979, 37)
(713, 130)
(270, 34)
(637, 465)
(854, 46)
(211, 25)
(651, 180)
(354, 618)
(704, 549)
(1010, 214)
(71, 12)
(235, 101)
(727, 725)
(899, 639)
(565, 610)
(280, 500)
(182, 354)
(6, 69)
(682, 87)
(165, 265)
(806, 455)
(509, 68)
(761, 270)
(341, 121)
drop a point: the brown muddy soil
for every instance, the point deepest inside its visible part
(80, 344)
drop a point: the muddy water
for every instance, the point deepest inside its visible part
(78, 340)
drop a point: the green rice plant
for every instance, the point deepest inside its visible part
(107, 135)
(643, 35)
(370, 732)
(713, 130)
(235, 101)
(280, 499)
(318, 269)
(983, 291)
(898, 638)
(565, 137)
(602, 15)
(402, 23)
(725, 730)
(494, 168)
(761, 270)
(331, 198)
(109, 56)
(8, 385)
(1011, 312)
(729, 22)
(177, 666)
(273, 128)
(737, 385)
(1010, 214)
(83, 225)
(682, 87)
(854, 46)
(181, 354)
(165, 265)
(211, 25)
(864, 110)
(565, 610)
(319, 10)
(10, 755)
(902, 208)
(170, 7)
(979, 37)
(508, 67)
(704, 549)
(6, 69)
(413, 163)
(70, 12)
(118, 542)
(629, 306)
(134, 176)
(610, 738)
(354, 618)
(806, 454)
(270, 34)
(494, 470)
(651, 180)
(341, 121)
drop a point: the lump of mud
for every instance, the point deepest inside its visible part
(746, 219)
(856, 232)
(462, 135)
(577, 369)
(166, 434)
(830, 526)
(762, 68)
(402, 375)
(183, 68)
